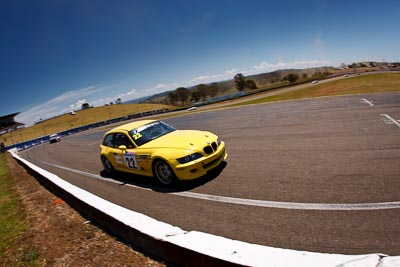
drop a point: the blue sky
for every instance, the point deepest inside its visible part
(57, 54)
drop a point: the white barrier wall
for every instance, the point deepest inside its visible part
(192, 248)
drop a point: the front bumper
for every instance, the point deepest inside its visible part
(200, 167)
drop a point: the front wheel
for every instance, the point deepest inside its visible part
(163, 172)
(108, 167)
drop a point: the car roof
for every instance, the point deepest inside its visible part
(131, 125)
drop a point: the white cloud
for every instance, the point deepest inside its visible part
(199, 79)
(158, 88)
(77, 105)
(127, 95)
(227, 74)
(64, 103)
(265, 66)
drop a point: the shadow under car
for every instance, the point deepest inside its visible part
(152, 183)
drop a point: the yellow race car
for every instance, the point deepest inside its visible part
(154, 148)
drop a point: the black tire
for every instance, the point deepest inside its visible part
(163, 172)
(108, 167)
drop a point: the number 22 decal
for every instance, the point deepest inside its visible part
(130, 161)
(137, 136)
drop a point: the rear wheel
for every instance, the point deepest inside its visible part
(108, 167)
(163, 172)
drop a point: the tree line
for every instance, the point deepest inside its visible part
(203, 91)
(200, 93)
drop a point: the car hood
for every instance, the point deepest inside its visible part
(183, 139)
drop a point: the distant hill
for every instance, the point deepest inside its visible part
(261, 80)
(275, 77)
(138, 100)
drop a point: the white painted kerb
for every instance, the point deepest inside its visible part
(215, 246)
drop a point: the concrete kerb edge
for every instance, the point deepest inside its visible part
(189, 248)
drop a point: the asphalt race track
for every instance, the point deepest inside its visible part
(317, 175)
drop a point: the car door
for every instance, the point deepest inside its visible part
(125, 158)
(111, 151)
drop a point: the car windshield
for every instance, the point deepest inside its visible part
(150, 131)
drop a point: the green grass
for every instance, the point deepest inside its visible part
(14, 247)
(363, 84)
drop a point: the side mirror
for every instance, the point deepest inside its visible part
(122, 147)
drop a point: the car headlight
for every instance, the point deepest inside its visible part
(189, 158)
(219, 141)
